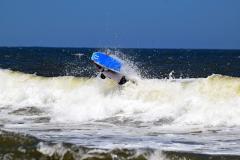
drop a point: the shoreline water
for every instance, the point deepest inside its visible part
(22, 146)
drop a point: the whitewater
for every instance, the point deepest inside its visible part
(212, 101)
(198, 115)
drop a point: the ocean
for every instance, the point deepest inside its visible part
(185, 105)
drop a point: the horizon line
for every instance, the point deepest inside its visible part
(119, 48)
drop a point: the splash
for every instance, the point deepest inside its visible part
(129, 68)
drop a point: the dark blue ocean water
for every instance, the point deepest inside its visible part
(150, 63)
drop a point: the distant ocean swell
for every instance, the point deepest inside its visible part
(149, 63)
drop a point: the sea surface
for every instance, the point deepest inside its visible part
(185, 105)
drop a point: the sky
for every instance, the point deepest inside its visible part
(202, 24)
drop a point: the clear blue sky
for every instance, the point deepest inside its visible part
(122, 23)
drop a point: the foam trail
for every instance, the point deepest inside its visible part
(212, 101)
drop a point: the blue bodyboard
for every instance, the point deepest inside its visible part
(106, 61)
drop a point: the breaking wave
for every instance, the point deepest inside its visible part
(211, 101)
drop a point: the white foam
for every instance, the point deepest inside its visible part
(212, 101)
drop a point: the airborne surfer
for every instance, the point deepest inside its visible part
(103, 72)
(109, 66)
